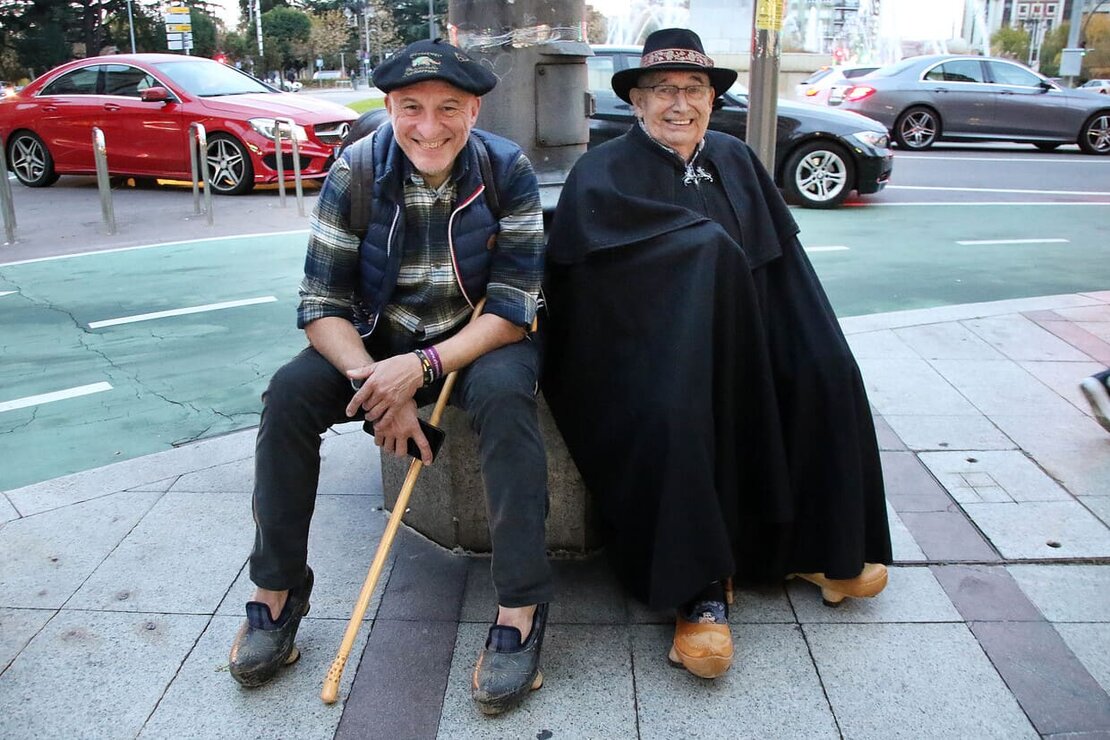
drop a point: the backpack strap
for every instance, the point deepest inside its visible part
(493, 199)
(362, 185)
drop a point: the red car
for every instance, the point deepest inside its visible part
(145, 103)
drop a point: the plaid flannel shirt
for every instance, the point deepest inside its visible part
(427, 295)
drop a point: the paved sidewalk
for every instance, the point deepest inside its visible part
(121, 588)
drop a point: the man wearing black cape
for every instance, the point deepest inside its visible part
(697, 371)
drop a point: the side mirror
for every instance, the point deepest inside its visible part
(155, 95)
(1046, 86)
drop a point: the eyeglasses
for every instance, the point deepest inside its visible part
(669, 93)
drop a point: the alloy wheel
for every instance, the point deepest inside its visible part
(918, 129)
(1097, 134)
(28, 158)
(226, 165)
(821, 175)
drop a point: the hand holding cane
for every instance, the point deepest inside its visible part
(330, 692)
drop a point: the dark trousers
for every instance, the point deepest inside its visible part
(497, 392)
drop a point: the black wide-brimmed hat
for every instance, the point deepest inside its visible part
(434, 60)
(673, 49)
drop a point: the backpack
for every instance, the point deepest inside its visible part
(362, 178)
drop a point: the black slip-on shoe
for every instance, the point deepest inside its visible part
(508, 669)
(262, 646)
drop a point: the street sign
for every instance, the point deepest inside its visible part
(178, 28)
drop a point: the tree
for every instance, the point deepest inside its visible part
(1054, 42)
(267, 5)
(1096, 40)
(204, 33)
(1012, 43)
(411, 17)
(283, 30)
(597, 26)
(330, 34)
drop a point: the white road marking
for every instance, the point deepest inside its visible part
(997, 190)
(181, 311)
(1037, 160)
(1022, 203)
(826, 249)
(151, 246)
(6, 292)
(81, 390)
(1013, 241)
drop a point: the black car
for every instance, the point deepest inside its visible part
(821, 156)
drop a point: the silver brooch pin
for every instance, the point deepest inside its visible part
(695, 174)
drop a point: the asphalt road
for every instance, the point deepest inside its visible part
(112, 348)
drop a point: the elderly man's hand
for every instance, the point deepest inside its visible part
(387, 385)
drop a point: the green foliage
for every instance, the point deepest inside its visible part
(1054, 42)
(204, 33)
(361, 106)
(1012, 43)
(411, 17)
(285, 31)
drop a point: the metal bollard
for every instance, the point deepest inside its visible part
(198, 162)
(6, 203)
(279, 124)
(100, 154)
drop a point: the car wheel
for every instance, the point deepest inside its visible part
(30, 160)
(819, 175)
(230, 171)
(1094, 138)
(1048, 146)
(917, 128)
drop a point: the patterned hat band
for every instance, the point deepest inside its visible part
(673, 56)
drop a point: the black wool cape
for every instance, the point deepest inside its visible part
(704, 387)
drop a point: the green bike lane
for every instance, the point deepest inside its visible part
(179, 378)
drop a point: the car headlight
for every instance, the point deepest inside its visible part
(873, 138)
(266, 127)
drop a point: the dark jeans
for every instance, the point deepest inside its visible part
(497, 392)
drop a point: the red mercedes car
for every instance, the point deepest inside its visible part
(145, 103)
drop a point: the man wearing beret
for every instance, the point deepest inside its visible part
(386, 315)
(697, 371)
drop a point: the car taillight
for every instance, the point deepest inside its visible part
(856, 93)
(811, 92)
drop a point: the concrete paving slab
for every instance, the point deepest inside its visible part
(880, 345)
(427, 582)
(1001, 387)
(1071, 447)
(1091, 645)
(1019, 338)
(1100, 330)
(1098, 505)
(7, 511)
(985, 593)
(913, 680)
(910, 487)
(1064, 378)
(350, 464)
(1100, 314)
(236, 476)
(1094, 343)
(951, 341)
(1025, 530)
(992, 477)
(588, 688)
(17, 627)
(342, 541)
(903, 544)
(950, 433)
(948, 536)
(48, 556)
(94, 674)
(130, 474)
(204, 702)
(1054, 689)
(772, 689)
(586, 592)
(898, 387)
(1067, 593)
(912, 595)
(159, 485)
(885, 435)
(147, 571)
(963, 312)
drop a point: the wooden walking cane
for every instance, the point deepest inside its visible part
(330, 692)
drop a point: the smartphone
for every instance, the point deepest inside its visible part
(433, 434)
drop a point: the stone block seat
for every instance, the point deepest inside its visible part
(448, 504)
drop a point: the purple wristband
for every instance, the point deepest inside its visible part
(437, 363)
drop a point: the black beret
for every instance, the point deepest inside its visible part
(433, 60)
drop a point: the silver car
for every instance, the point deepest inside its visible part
(927, 99)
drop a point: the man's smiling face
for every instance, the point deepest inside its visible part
(431, 123)
(679, 121)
